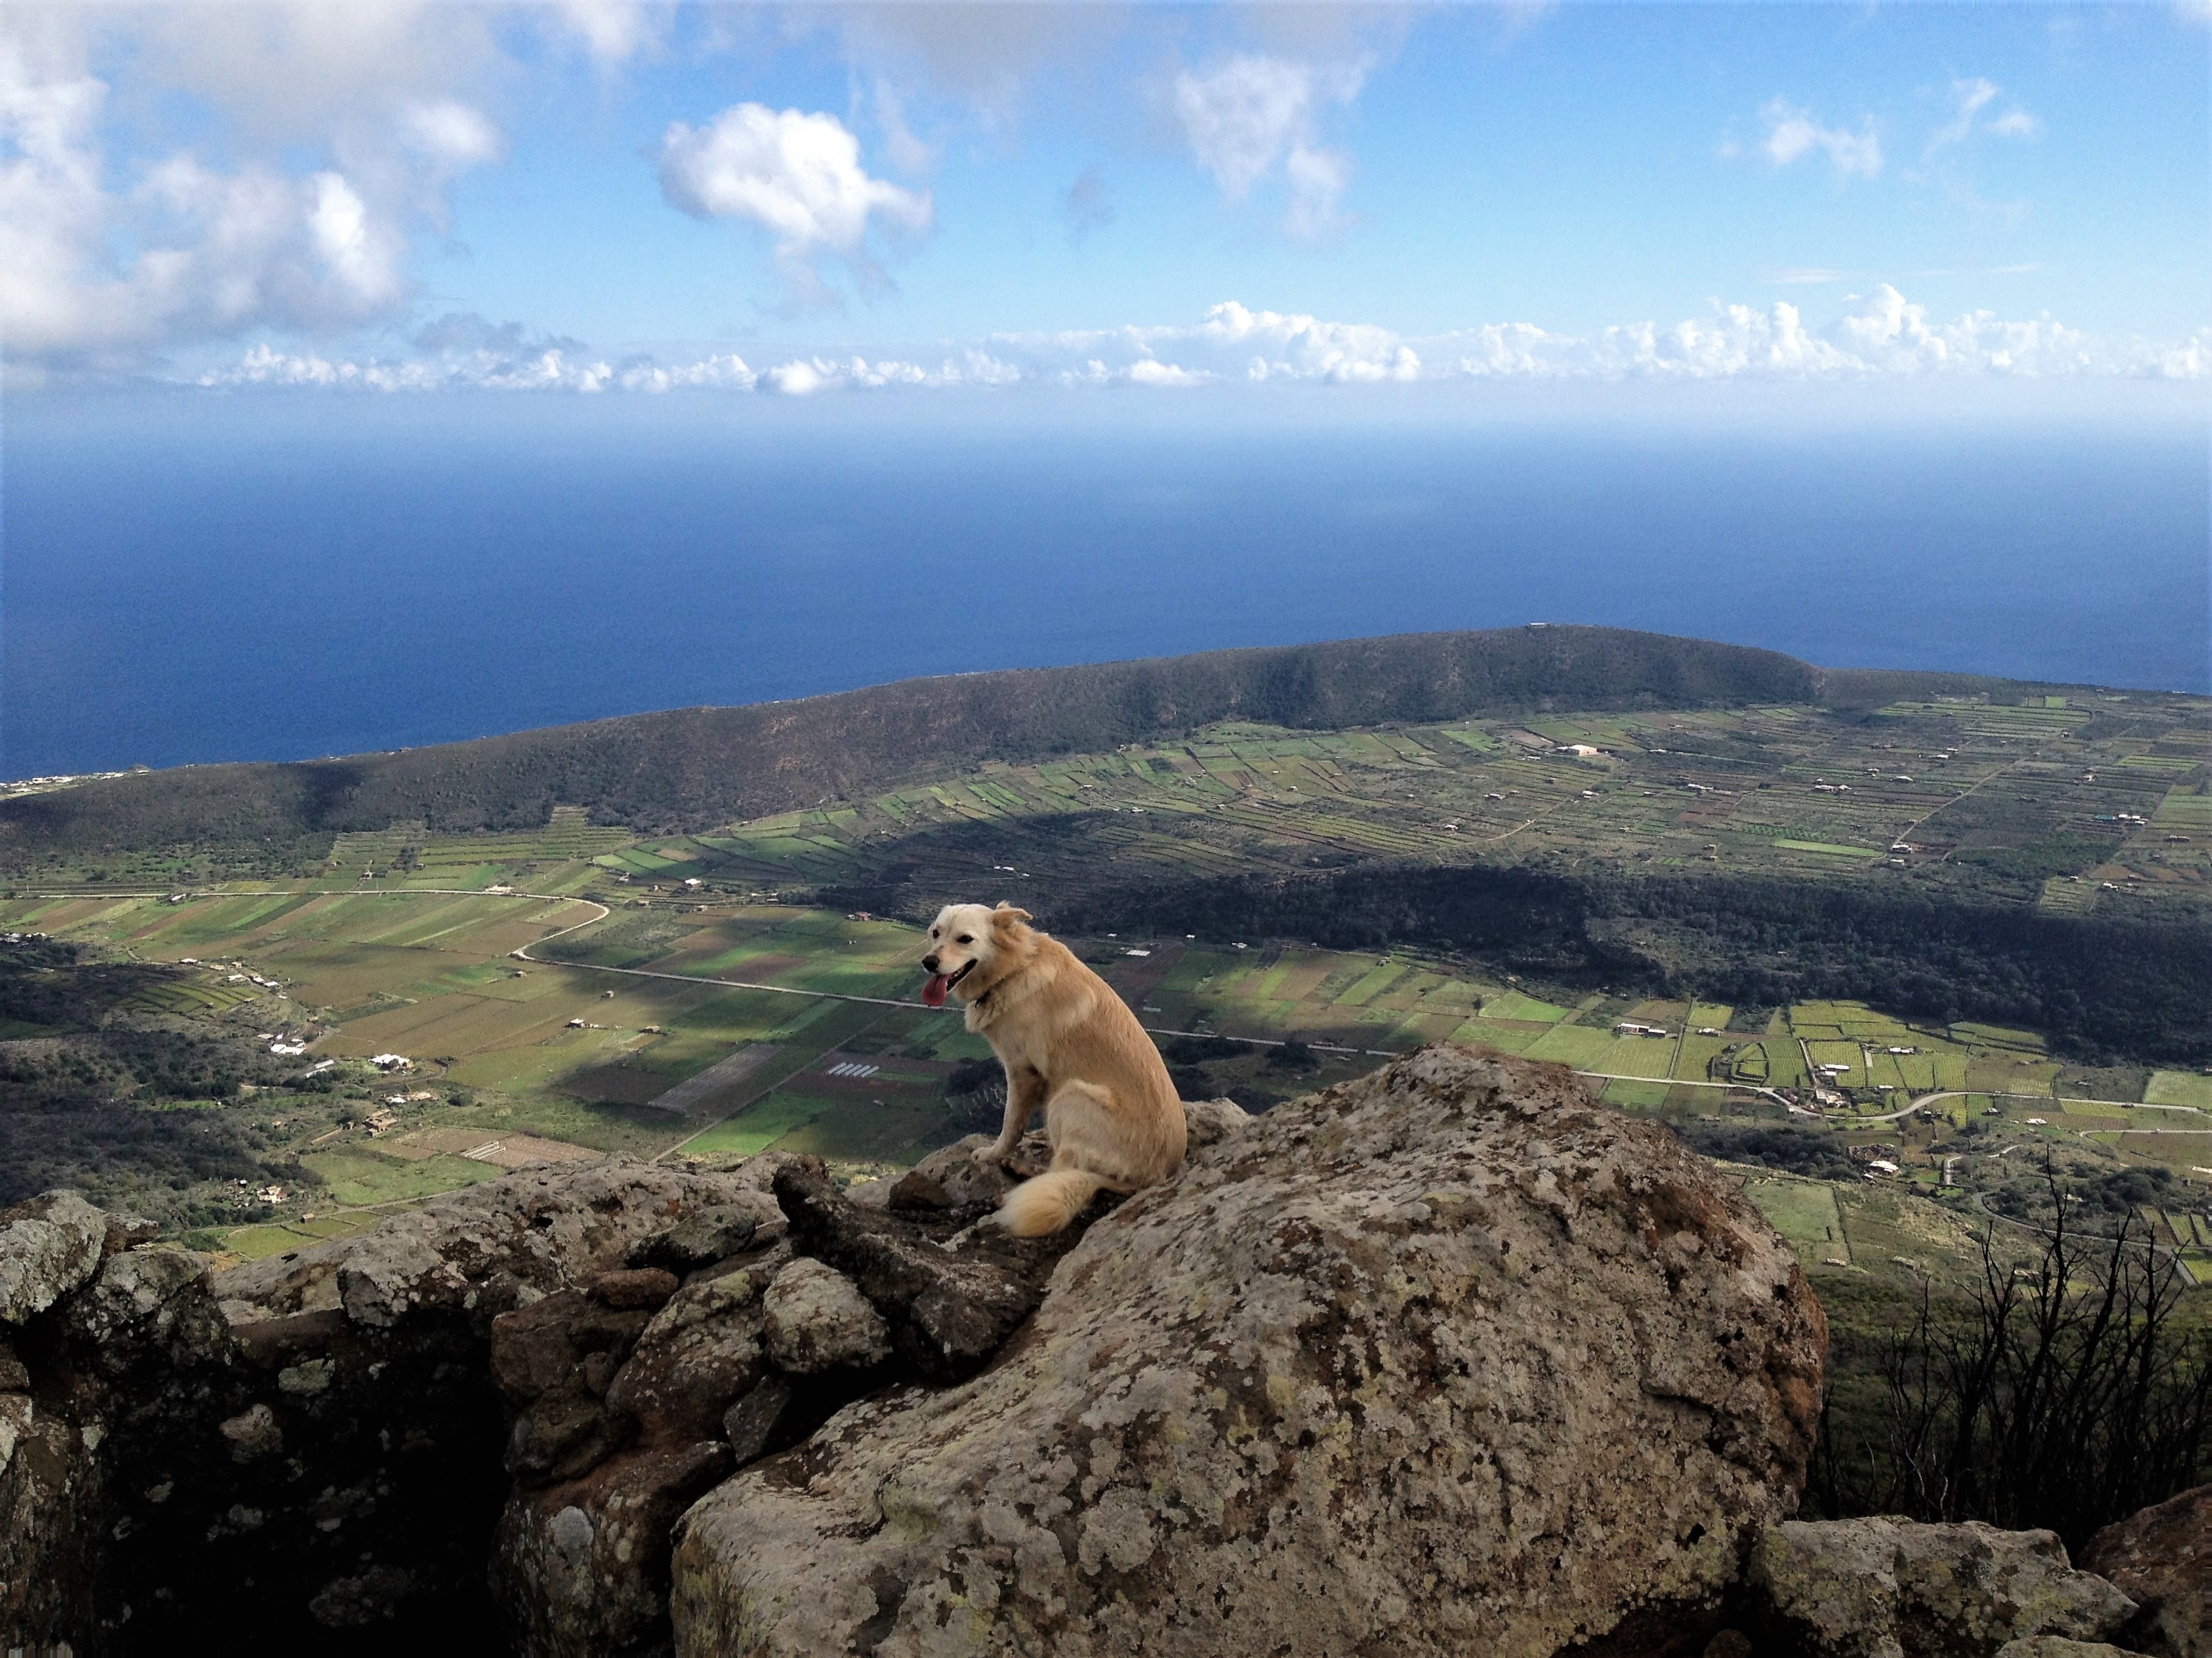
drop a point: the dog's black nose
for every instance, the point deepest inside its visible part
(930, 960)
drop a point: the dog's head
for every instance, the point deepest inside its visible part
(971, 947)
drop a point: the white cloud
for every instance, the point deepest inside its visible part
(798, 176)
(907, 152)
(1145, 371)
(451, 134)
(1792, 133)
(551, 370)
(1255, 112)
(1290, 347)
(612, 30)
(95, 269)
(1969, 98)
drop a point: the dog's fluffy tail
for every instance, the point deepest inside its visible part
(1044, 1204)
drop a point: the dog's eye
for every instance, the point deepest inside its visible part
(964, 939)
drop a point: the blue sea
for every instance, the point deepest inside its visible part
(195, 578)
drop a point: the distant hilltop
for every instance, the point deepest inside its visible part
(693, 768)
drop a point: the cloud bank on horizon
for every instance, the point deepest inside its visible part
(232, 193)
(1879, 335)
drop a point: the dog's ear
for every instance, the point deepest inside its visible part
(1006, 914)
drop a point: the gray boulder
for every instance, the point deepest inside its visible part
(49, 1245)
(1886, 1587)
(817, 1321)
(2161, 1557)
(582, 1568)
(703, 1351)
(149, 1304)
(1448, 1359)
(540, 1230)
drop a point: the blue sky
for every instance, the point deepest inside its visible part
(594, 196)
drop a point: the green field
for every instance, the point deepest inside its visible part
(1804, 1211)
(359, 1177)
(2180, 1088)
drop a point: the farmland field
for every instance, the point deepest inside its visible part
(2180, 1088)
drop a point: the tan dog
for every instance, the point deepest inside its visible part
(1069, 1044)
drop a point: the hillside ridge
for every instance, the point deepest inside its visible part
(691, 768)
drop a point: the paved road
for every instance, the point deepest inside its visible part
(2156, 1248)
(2124, 1105)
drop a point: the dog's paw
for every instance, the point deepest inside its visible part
(991, 1156)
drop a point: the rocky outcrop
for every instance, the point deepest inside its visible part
(1448, 1359)
(1891, 1589)
(2162, 1557)
(319, 1436)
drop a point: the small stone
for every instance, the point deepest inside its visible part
(1207, 1122)
(570, 1533)
(253, 1434)
(702, 1236)
(373, 1597)
(309, 1376)
(949, 1178)
(632, 1288)
(818, 1321)
(129, 1232)
(701, 1350)
(1851, 1589)
(748, 1424)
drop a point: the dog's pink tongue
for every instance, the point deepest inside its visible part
(933, 992)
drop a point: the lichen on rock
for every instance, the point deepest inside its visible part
(1884, 1587)
(2161, 1557)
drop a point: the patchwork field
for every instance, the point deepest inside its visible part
(801, 1028)
(563, 987)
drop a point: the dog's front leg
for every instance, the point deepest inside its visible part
(1024, 1093)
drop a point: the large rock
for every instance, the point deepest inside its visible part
(700, 1355)
(150, 1304)
(48, 1246)
(2162, 1557)
(541, 1230)
(1895, 1589)
(49, 1515)
(325, 1443)
(583, 1567)
(1448, 1359)
(101, 1336)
